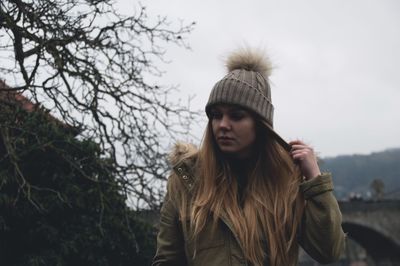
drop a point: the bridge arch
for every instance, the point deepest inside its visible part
(374, 225)
(379, 247)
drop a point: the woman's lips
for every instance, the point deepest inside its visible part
(225, 139)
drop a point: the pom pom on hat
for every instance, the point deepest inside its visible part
(246, 83)
(251, 60)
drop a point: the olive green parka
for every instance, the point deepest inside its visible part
(320, 235)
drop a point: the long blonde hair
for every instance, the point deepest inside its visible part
(271, 207)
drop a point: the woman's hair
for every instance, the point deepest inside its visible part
(271, 207)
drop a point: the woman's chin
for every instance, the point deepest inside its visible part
(227, 149)
(233, 152)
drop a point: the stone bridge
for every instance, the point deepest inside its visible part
(375, 225)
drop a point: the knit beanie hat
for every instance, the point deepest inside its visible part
(247, 85)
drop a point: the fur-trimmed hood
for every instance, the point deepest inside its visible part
(182, 152)
(183, 159)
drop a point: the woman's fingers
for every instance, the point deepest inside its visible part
(301, 150)
(305, 156)
(299, 155)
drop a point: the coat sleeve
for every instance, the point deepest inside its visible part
(170, 242)
(321, 234)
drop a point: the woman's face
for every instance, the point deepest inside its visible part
(234, 129)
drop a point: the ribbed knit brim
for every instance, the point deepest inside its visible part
(245, 88)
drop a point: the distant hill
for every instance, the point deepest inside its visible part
(354, 173)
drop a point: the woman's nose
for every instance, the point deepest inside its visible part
(225, 123)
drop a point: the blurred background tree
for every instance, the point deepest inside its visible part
(378, 189)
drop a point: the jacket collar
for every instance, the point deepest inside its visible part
(182, 170)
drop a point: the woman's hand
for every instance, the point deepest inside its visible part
(305, 157)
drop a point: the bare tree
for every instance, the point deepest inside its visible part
(91, 67)
(378, 188)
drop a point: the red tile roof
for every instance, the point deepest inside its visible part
(14, 97)
(9, 96)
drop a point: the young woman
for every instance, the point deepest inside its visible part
(246, 197)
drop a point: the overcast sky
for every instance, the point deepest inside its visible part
(336, 82)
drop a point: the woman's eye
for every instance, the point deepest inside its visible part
(215, 115)
(237, 116)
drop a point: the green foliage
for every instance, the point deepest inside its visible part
(60, 203)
